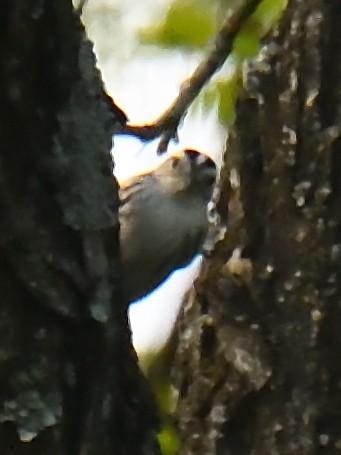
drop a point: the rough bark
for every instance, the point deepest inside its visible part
(257, 365)
(69, 382)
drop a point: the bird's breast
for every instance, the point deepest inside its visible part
(158, 235)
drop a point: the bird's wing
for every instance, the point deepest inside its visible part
(130, 189)
(192, 245)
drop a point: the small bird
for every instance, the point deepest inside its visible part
(163, 218)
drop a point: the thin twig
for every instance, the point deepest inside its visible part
(166, 126)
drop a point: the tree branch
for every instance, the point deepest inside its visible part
(166, 126)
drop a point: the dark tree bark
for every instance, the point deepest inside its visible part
(69, 381)
(258, 360)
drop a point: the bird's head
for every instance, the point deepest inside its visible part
(188, 171)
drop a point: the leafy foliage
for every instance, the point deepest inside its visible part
(188, 24)
(191, 24)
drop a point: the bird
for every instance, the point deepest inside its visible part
(163, 219)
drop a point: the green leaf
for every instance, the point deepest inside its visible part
(268, 13)
(246, 44)
(168, 440)
(188, 24)
(223, 92)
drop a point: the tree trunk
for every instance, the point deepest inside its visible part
(69, 377)
(257, 365)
